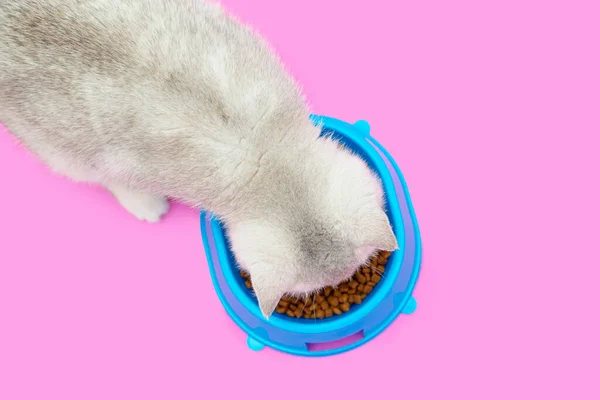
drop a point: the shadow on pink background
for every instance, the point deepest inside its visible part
(492, 111)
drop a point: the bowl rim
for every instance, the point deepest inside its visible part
(360, 138)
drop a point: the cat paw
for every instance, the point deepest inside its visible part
(144, 207)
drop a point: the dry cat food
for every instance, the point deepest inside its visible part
(332, 301)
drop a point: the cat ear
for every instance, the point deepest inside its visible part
(377, 232)
(269, 288)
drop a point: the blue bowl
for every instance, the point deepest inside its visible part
(392, 296)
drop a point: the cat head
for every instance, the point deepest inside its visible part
(321, 216)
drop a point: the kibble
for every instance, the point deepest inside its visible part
(332, 301)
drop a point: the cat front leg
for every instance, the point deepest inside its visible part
(144, 206)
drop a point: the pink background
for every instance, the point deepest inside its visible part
(492, 110)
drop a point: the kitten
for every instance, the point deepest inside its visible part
(155, 99)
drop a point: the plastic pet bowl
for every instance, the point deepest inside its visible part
(392, 296)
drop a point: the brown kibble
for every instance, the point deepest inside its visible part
(361, 278)
(331, 301)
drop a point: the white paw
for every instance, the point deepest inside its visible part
(143, 206)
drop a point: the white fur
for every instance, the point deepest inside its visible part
(157, 99)
(143, 206)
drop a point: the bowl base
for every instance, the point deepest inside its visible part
(254, 344)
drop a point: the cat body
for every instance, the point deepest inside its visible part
(157, 99)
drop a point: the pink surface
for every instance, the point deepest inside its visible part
(492, 110)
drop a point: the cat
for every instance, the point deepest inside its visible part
(158, 99)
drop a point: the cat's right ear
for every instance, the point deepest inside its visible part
(269, 288)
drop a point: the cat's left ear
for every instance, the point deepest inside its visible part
(269, 288)
(377, 232)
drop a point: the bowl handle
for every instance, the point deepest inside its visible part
(363, 128)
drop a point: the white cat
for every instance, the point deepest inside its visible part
(155, 99)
